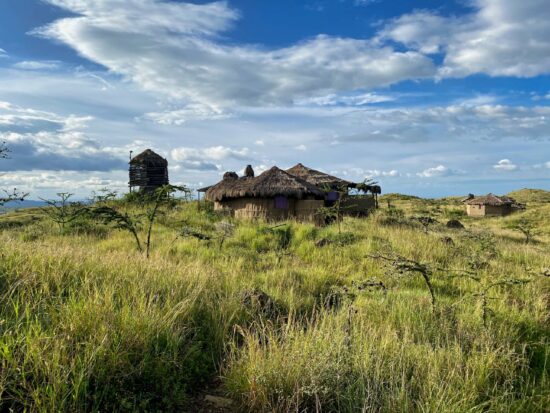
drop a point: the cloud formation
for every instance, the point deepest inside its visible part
(204, 159)
(499, 38)
(174, 49)
(37, 65)
(44, 140)
(505, 165)
(436, 171)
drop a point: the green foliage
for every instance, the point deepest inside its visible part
(530, 196)
(528, 227)
(279, 320)
(62, 211)
(454, 213)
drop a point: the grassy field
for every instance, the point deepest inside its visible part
(288, 318)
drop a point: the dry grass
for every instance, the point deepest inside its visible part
(88, 324)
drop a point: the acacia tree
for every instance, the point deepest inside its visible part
(13, 195)
(110, 215)
(526, 226)
(160, 197)
(62, 211)
(335, 211)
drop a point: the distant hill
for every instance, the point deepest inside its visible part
(530, 195)
(24, 204)
(399, 197)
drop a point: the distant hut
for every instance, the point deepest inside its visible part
(148, 171)
(489, 205)
(273, 195)
(335, 187)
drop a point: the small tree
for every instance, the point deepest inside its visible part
(526, 226)
(62, 211)
(14, 195)
(425, 221)
(160, 197)
(406, 266)
(119, 220)
(335, 211)
(484, 295)
(103, 196)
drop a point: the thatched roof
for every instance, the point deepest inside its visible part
(490, 199)
(269, 184)
(148, 157)
(318, 178)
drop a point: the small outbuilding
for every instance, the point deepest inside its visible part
(273, 195)
(148, 171)
(489, 205)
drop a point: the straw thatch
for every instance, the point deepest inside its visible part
(272, 183)
(491, 200)
(148, 171)
(318, 178)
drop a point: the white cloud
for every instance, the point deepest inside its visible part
(505, 165)
(3, 53)
(436, 171)
(204, 159)
(375, 173)
(449, 123)
(173, 48)
(547, 164)
(301, 147)
(259, 142)
(345, 100)
(37, 65)
(44, 183)
(46, 140)
(500, 38)
(191, 112)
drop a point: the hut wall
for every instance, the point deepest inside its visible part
(497, 210)
(475, 210)
(357, 206)
(306, 210)
(264, 208)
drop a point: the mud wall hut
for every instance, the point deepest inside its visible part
(489, 205)
(274, 195)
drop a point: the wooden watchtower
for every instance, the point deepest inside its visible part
(148, 171)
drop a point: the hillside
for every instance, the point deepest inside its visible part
(377, 314)
(526, 196)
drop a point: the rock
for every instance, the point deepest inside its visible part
(455, 223)
(218, 402)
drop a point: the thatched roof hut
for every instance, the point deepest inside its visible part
(490, 199)
(489, 205)
(273, 195)
(271, 183)
(148, 171)
(318, 178)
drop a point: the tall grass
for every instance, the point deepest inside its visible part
(88, 324)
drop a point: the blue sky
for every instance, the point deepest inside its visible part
(430, 98)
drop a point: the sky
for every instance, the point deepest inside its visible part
(427, 97)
